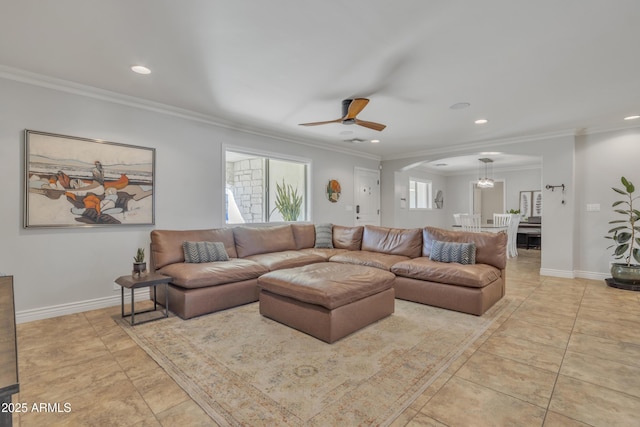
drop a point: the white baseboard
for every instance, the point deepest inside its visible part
(24, 316)
(592, 275)
(567, 274)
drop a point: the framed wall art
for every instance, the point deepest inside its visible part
(525, 203)
(536, 203)
(333, 190)
(80, 182)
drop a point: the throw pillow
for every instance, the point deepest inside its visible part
(324, 236)
(463, 253)
(197, 252)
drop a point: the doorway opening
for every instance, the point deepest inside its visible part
(487, 201)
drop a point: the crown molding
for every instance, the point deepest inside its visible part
(34, 79)
(510, 141)
(602, 129)
(479, 145)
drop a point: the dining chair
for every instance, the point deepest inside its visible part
(501, 220)
(512, 236)
(470, 222)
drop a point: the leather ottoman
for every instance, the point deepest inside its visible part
(327, 300)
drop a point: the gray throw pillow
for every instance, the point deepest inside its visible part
(324, 236)
(197, 252)
(463, 253)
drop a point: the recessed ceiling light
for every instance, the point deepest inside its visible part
(460, 105)
(140, 69)
(481, 121)
(632, 117)
(375, 141)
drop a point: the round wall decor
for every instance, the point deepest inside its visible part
(333, 190)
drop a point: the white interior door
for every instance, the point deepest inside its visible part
(367, 197)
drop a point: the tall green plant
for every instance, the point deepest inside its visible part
(288, 201)
(624, 236)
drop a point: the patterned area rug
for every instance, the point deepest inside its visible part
(244, 369)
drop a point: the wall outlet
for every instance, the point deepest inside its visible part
(593, 207)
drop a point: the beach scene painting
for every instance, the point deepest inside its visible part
(78, 182)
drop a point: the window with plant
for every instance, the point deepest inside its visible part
(263, 188)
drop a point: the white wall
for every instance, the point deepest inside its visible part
(55, 269)
(601, 160)
(418, 218)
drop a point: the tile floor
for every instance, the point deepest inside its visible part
(568, 356)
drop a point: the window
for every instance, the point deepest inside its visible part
(261, 188)
(419, 194)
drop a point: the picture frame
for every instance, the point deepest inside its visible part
(536, 203)
(525, 203)
(79, 182)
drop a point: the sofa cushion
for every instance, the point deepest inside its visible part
(462, 253)
(197, 252)
(324, 236)
(369, 259)
(394, 241)
(349, 238)
(260, 240)
(491, 248)
(166, 245)
(324, 252)
(212, 273)
(285, 259)
(327, 284)
(472, 275)
(304, 235)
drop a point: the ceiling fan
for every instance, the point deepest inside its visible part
(350, 109)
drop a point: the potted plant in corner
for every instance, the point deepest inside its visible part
(139, 266)
(626, 240)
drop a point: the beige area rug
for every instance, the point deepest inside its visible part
(244, 369)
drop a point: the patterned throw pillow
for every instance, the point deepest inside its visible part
(324, 236)
(197, 252)
(463, 253)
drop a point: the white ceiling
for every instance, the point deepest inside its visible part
(529, 67)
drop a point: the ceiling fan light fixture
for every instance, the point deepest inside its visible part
(350, 110)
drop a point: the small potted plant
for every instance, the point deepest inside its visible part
(139, 266)
(626, 239)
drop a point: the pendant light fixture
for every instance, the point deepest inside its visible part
(486, 180)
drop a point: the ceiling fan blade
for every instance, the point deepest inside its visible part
(321, 123)
(370, 125)
(355, 107)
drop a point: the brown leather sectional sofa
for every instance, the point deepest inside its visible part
(198, 289)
